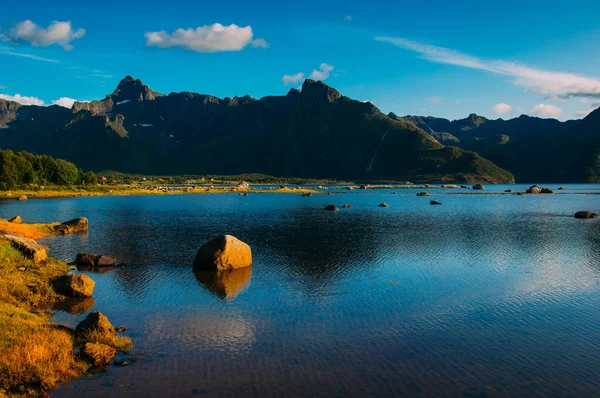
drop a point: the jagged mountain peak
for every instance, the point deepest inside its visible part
(319, 91)
(133, 89)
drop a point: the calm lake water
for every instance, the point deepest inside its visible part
(492, 295)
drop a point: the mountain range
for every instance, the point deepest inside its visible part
(314, 132)
(533, 149)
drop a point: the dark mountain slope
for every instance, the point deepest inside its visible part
(533, 149)
(315, 132)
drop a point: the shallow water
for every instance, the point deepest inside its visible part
(488, 295)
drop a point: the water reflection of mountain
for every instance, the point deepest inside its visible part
(225, 284)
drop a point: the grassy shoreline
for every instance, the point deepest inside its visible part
(36, 355)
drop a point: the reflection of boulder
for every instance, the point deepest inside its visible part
(226, 284)
(75, 306)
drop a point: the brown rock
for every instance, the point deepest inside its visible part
(16, 220)
(74, 285)
(478, 187)
(383, 204)
(332, 208)
(79, 224)
(22, 197)
(546, 190)
(95, 321)
(435, 202)
(30, 248)
(534, 189)
(223, 252)
(97, 354)
(586, 214)
(422, 193)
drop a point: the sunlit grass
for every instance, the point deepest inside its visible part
(34, 355)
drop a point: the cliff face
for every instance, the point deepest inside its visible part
(315, 132)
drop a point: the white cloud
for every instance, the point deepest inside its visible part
(502, 109)
(548, 83)
(207, 38)
(6, 51)
(61, 33)
(260, 43)
(66, 102)
(322, 73)
(293, 79)
(543, 110)
(436, 100)
(22, 99)
(317, 74)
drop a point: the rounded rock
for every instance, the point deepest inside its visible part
(221, 253)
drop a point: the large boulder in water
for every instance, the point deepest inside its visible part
(534, 189)
(97, 354)
(74, 285)
(435, 202)
(222, 253)
(546, 190)
(79, 224)
(478, 187)
(95, 321)
(30, 248)
(332, 208)
(586, 214)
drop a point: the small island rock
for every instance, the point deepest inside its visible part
(585, 214)
(332, 208)
(435, 202)
(95, 321)
(79, 224)
(383, 204)
(478, 187)
(74, 285)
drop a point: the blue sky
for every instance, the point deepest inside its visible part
(437, 58)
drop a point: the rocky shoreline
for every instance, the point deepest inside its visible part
(61, 353)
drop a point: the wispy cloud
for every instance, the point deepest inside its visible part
(61, 33)
(207, 38)
(548, 83)
(502, 109)
(543, 110)
(436, 100)
(6, 51)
